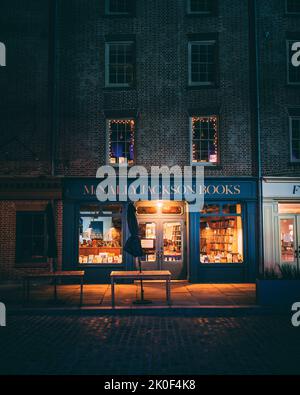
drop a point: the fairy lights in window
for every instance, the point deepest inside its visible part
(121, 141)
(205, 139)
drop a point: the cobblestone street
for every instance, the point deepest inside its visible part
(70, 344)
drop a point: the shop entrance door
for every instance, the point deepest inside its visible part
(163, 240)
(289, 228)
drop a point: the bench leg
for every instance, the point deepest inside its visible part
(112, 293)
(81, 291)
(55, 289)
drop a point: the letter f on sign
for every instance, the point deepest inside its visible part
(2, 314)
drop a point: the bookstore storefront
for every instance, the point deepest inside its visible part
(216, 244)
(281, 208)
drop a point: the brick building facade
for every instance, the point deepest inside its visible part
(58, 102)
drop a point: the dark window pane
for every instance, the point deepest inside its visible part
(200, 6)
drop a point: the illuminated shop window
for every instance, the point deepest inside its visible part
(293, 72)
(121, 141)
(205, 138)
(287, 240)
(202, 7)
(118, 7)
(202, 62)
(293, 6)
(119, 60)
(295, 138)
(221, 235)
(100, 235)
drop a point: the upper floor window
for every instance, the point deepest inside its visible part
(119, 59)
(205, 139)
(31, 237)
(292, 6)
(200, 7)
(293, 61)
(202, 62)
(295, 138)
(121, 141)
(118, 7)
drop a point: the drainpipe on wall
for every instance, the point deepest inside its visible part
(53, 80)
(254, 23)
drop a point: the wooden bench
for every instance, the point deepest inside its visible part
(144, 275)
(54, 276)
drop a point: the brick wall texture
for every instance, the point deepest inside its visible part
(161, 97)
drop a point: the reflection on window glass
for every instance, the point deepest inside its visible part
(172, 241)
(287, 240)
(289, 208)
(147, 233)
(232, 209)
(171, 209)
(210, 209)
(221, 239)
(100, 237)
(147, 209)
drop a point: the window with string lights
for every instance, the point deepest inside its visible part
(119, 7)
(201, 7)
(205, 139)
(121, 141)
(119, 64)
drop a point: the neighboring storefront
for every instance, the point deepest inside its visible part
(217, 244)
(23, 225)
(281, 208)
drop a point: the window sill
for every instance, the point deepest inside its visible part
(225, 265)
(31, 265)
(99, 265)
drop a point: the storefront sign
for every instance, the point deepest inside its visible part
(281, 189)
(147, 243)
(2, 314)
(2, 55)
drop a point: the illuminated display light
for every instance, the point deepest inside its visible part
(205, 139)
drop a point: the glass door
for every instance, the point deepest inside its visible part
(289, 243)
(172, 248)
(148, 231)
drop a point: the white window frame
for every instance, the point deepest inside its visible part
(190, 12)
(198, 42)
(289, 12)
(288, 58)
(291, 118)
(107, 12)
(108, 139)
(210, 164)
(107, 64)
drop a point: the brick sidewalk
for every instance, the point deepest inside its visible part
(182, 293)
(51, 344)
